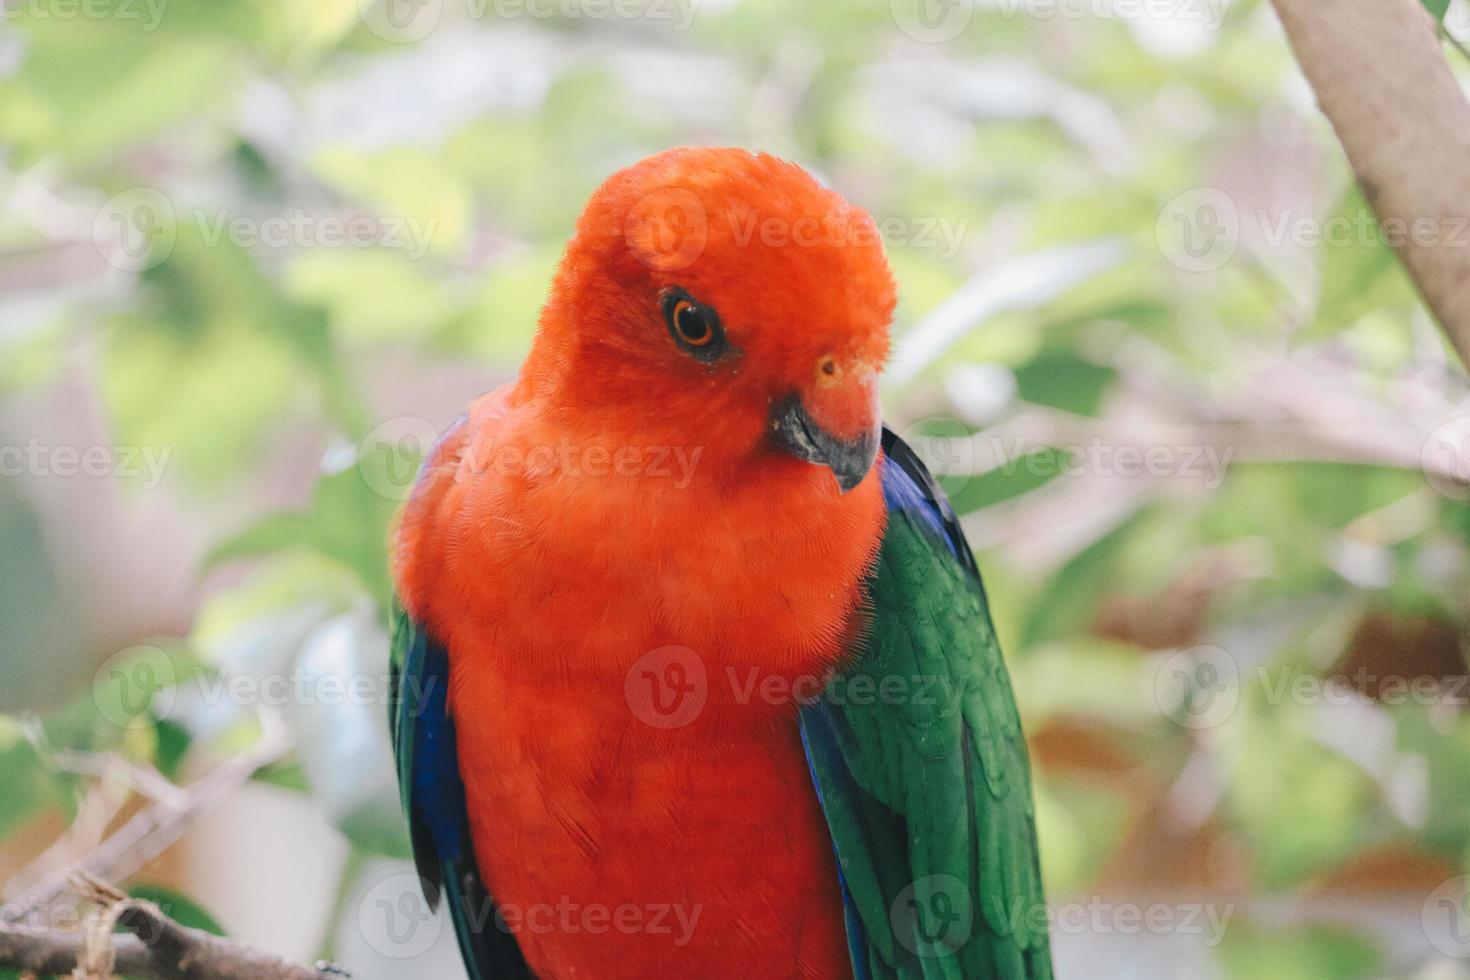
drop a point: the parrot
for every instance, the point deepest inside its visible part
(693, 671)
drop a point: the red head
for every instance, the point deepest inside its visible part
(722, 298)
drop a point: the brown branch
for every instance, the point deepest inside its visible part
(1381, 77)
(158, 949)
(49, 953)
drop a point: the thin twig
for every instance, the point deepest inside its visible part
(158, 827)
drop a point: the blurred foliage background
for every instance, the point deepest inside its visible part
(254, 253)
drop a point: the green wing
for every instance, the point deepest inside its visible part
(917, 754)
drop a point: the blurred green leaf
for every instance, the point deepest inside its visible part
(30, 787)
(1446, 755)
(172, 742)
(1360, 272)
(347, 522)
(1437, 8)
(267, 536)
(408, 187)
(35, 627)
(1303, 807)
(1311, 953)
(185, 911)
(1064, 380)
(1029, 470)
(1071, 597)
(56, 102)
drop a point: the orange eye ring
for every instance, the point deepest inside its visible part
(693, 327)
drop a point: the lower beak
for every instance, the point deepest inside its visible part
(794, 431)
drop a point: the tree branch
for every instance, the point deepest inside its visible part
(1381, 77)
(159, 949)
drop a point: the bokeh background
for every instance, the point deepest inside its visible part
(1212, 453)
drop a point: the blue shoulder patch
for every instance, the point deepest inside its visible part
(902, 495)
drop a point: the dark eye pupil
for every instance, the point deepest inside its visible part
(693, 325)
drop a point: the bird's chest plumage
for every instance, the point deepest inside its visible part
(628, 739)
(623, 852)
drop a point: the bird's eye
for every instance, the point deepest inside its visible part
(690, 321)
(695, 327)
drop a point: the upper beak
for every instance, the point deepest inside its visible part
(794, 430)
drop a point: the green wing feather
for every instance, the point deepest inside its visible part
(918, 755)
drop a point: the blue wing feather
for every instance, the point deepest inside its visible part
(433, 798)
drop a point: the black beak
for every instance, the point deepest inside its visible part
(794, 431)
